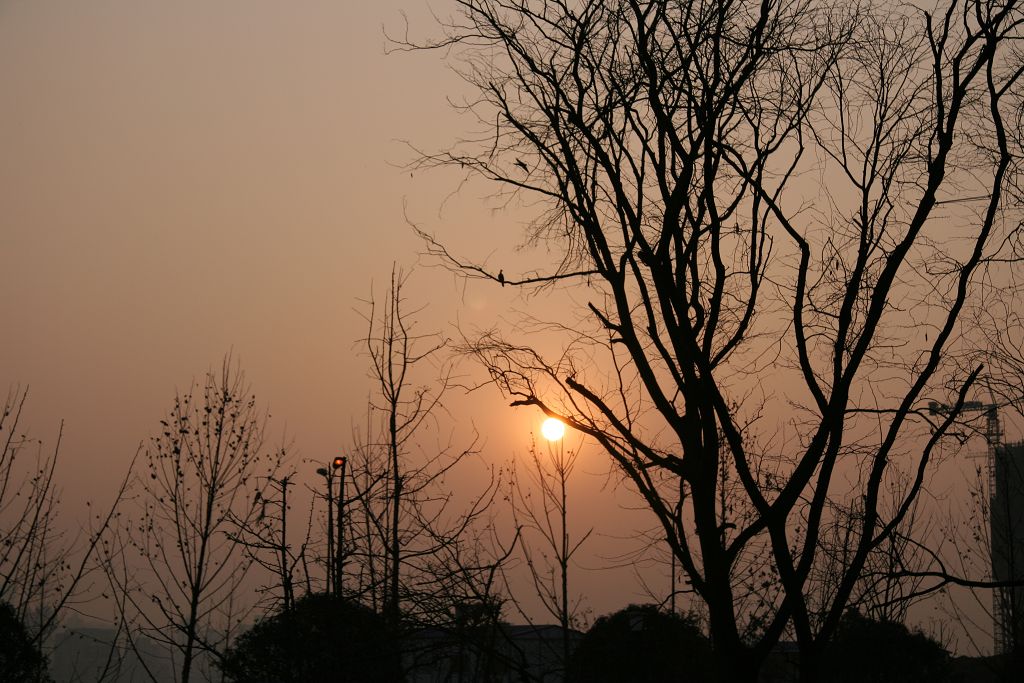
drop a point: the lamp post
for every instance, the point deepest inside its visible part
(328, 476)
(338, 465)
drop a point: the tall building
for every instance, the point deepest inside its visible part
(1007, 528)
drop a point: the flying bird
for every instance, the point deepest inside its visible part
(522, 164)
(501, 277)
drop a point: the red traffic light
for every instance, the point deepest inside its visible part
(338, 462)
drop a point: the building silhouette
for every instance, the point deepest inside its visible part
(1007, 533)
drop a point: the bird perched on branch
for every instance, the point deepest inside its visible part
(501, 277)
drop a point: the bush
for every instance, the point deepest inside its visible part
(20, 658)
(865, 650)
(642, 644)
(322, 638)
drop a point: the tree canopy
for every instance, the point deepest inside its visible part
(20, 658)
(642, 643)
(773, 216)
(865, 649)
(322, 638)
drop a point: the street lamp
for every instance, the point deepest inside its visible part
(328, 476)
(339, 561)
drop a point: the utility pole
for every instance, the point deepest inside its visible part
(338, 466)
(329, 562)
(286, 575)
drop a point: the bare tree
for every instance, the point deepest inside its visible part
(32, 564)
(45, 568)
(266, 541)
(776, 213)
(410, 542)
(178, 565)
(539, 501)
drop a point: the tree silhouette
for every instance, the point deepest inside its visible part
(411, 550)
(539, 504)
(322, 638)
(774, 215)
(868, 650)
(45, 569)
(20, 658)
(642, 643)
(178, 564)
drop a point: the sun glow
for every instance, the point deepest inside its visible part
(553, 429)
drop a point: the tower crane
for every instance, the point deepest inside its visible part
(993, 430)
(1002, 597)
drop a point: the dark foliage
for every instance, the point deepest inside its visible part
(642, 643)
(20, 658)
(322, 638)
(865, 650)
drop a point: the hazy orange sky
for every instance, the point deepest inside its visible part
(182, 179)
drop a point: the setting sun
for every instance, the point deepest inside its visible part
(553, 429)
